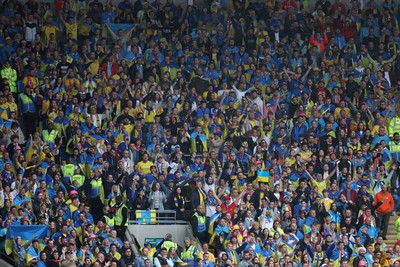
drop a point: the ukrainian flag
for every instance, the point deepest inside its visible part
(27, 233)
(263, 176)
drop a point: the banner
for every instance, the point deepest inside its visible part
(115, 27)
(27, 233)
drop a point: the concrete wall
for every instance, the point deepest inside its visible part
(178, 232)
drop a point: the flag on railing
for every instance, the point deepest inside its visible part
(146, 216)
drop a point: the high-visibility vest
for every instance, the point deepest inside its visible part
(393, 147)
(109, 221)
(49, 137)
(27, 103)
(68, 170)
(118, 216)
(96, 187)
(188, 255)
(169, 244)
(201, 223)
(394, 126)
(79, 178)
(11, 75)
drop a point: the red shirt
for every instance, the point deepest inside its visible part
(229, 208)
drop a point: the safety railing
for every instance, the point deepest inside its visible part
(155, 217)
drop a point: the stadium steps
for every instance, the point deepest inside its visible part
(392, 234)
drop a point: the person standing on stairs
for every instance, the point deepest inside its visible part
(397, 228)
(395, 186)
(384, 205)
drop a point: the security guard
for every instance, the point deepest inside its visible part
(394, 147)
(108, 217)
(199, 224)
(10, 74)
(49, 135)
(121, 217)
(394, 125)
(189, 254)
(168, 242)
(27, 101)
(78, 177)
(68, 169)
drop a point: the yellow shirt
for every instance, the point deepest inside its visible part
(320, 184)
(305, 155)
(327, 203)
(73, 29)
(5, 107)
(84, 29)
(290, 161)
(12, 106)
(338, 111)
(49, 29)
(76, 117)
(144, 167)
(375, 130)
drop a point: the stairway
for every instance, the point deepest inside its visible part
(392, 234)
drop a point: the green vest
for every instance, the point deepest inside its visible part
(11, 75)
(68, 170)
(188, 255)
(201, 223)
(96, 186)
(169, 244)
(49, 137)
(109, 221)
(79, 178)
(118, 216)
(393, 147)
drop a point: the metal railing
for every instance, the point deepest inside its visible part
(160, 217)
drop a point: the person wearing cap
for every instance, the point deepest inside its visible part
(360, 259)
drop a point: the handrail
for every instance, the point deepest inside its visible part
(8, 259)
(161, 217)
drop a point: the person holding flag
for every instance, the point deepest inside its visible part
(19, 250)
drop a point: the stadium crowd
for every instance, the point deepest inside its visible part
(271, 125)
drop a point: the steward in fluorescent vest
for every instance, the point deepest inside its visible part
(189, 254)
(167, 243)
(199, 224)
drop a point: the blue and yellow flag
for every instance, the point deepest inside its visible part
(263, 176)
(27, 233)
